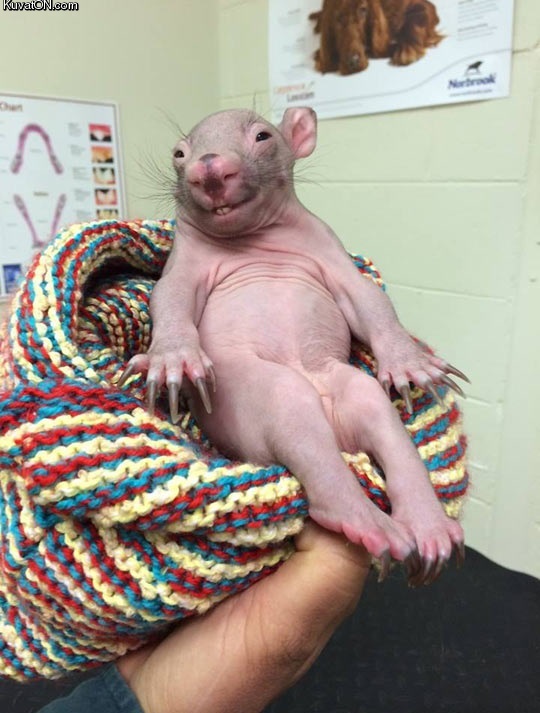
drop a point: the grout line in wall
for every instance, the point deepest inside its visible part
(479, 501)
(477, 401)
(226, 4)
(503, 182)
(446, 293)
(525, 50)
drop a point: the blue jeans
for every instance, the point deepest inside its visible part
(105, 693)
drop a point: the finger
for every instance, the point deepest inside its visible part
(452, 384)
(405, 392)
(128, 371)
(174, 390)
(456, 372)
(203, 393)
(385, 566)
(151, 395)
(343, 566)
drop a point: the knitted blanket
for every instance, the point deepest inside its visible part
(115, 524)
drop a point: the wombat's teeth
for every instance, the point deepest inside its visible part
(223, 210)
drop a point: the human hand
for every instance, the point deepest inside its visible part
(255, 645)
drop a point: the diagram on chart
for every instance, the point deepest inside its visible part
(37, 241)
(60, 163)
(17, 162)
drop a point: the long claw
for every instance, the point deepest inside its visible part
(405, 392)
(385, 567)
(460, 554)
(212, 375)
(174, 390)
(456, 372)
(385, 383)
(429, 568)
(452, 384)
(413, 563)
(203, 393)
(417, 577)
(433, 391)
(151, 395)
(128, 371)
(436, 573)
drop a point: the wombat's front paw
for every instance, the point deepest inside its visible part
(165, 364)
(402, 360)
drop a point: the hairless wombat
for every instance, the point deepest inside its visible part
(256, 306)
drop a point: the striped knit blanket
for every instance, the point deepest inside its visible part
(115, 524)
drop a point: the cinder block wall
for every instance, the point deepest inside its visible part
(446, 202)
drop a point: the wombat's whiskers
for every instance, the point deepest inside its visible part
(161, 183)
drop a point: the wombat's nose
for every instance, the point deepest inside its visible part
(354, 62)
(212, 170)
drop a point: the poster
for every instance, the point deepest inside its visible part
(345, 57)
(60, 163)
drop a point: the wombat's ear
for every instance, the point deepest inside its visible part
(299, 129)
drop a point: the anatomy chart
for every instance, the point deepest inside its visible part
(60, 163)
(360, 57)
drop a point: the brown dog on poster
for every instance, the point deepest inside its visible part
(352, 31)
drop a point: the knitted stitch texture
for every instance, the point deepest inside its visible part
(114, 524)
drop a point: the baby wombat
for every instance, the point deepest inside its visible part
(257, 306)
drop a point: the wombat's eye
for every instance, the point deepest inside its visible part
(179, 153)
(263, 136)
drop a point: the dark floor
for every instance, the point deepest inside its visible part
(470, 643)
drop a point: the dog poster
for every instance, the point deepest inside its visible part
(345, 57)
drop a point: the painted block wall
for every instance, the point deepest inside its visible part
(446, 202)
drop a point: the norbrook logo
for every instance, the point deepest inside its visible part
(476, 80)
(472, 81)
(39, 5)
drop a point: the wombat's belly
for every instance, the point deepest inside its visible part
(286, 316)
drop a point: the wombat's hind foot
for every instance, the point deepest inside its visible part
(436, 535)
(364, 524)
